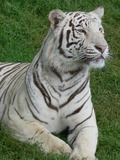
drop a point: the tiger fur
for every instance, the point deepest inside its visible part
(52, 93)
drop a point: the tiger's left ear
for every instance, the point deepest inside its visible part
(99, 12)
(55, 17)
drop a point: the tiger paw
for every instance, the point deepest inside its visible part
(56, 145)
(76, 155)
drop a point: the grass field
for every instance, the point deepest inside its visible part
(23, 25)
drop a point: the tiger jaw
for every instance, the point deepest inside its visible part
(103, 56)
(97, 63)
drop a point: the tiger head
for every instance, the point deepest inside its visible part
(77, 39)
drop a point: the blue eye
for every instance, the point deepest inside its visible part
(101, 31)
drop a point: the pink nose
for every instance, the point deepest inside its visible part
(101, 48)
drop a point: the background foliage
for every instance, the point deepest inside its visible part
(23, 26)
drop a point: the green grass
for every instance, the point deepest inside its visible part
(23, 26)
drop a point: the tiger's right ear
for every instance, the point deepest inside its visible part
(55, 17)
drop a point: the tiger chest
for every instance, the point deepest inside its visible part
(64, 98)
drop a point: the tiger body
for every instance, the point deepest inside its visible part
(62, 96)
(53, 92)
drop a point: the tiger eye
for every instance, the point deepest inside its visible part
(100, 29)
(82, 31)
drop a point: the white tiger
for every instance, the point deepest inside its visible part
(53, 92)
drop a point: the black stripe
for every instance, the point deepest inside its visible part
(78, 109)
(77, 14)
(73, 29)
(13, 99)
(5, 92)
(12, 69)
(71, 131)
(35, 134)
(73, 140)
(32, 102)
(62, 90)
(5, 65)
(82, 20)
(80, 17)
(33, 113)
(68, 37)
(21, 117)
(71, 24)
(74, 73)
(76, 92)
(61, 51)
(82, 97)
(12, 80)
(78, 25)
(57, 74)
(6, 77)
(70, 13)
(75, 137)
(1, 85)
(72, 43)
(55, 90)
(60, 39)
(44, 92)
(53, 96)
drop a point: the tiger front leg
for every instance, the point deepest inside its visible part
(35, 133)
(83, 140)
(50, 143)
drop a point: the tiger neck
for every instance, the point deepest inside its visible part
(41, 65)
(63, 80)
(52, 75)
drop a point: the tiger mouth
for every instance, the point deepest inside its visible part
(99, 58)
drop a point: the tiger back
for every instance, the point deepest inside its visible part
(11, 76)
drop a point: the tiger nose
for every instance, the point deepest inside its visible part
(101, 48)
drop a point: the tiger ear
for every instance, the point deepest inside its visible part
(99, 12)
(55, 17)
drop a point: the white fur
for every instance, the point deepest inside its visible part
(54, 92)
